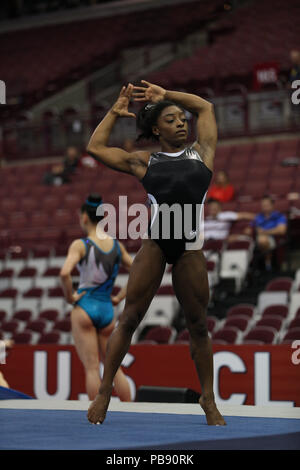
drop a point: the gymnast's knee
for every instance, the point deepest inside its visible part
(130, 320)
(198, 330)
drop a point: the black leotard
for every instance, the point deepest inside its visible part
(180, 178)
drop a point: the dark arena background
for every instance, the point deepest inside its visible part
(63, 64)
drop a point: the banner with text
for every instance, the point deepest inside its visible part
(243, 374)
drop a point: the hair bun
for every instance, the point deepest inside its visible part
(95, 198)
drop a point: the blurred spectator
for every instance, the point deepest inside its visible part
(222, 190)
(268, 224)
(60, 173)
(293, 196)
(87, 161)
(295, 69)
(218, 223)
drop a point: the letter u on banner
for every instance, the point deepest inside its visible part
(63, 379)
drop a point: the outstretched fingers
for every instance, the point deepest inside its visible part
(139, 94)
(127, 90)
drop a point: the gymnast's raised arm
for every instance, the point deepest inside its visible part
(133, 163)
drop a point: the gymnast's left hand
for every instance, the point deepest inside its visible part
(115, 300)
(75, 297)
(149, 92)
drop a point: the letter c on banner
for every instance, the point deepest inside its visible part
(236, 365)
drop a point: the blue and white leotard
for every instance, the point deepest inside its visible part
(98, 270)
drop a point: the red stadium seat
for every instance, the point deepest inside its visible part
(39, 219)
(253, 189)
(10, 326)
(35, 292)
(38, 326)
(295, 323)
(22, 315)
(27, 272)
(160, 334)
(52, 337)
(272, 321)
(183, 336)
(24, 337)
(227, 334)
(17, 221)
(63, 325)
(241, 309)
(251, 206)
(279, 188)
(291, 335)
(55, 292)
(213, 245)
(3, 315)
(29, 204)
(280, 284)
(41, 251)
(165, 290)
(9, 293)
(280, 311)
(49, 315)
(211, 322)
(238, 321)
(7, 274)
(266, 334)
(52, 272)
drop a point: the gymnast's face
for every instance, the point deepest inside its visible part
(267, 206)
(172, 126)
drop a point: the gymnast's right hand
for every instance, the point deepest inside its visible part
(121, 105)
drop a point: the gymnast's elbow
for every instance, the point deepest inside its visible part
(64, 273)
(94, 152)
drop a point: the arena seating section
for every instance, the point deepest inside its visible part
(46, 59)
(254, 36)
(38, 223)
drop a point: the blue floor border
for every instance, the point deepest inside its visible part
(32, 429)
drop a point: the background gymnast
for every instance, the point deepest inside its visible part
(179, 173)
(92, 317)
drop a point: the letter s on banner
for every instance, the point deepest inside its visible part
(127, 361)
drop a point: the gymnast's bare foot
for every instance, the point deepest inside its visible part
(213, 416)
(98, 408)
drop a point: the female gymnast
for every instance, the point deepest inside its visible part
(92, 317)
(179, 173)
